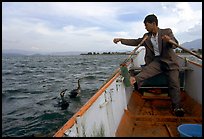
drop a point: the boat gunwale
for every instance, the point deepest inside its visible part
(190, 61)
(85, 107)
(88, 104)
(104, 86)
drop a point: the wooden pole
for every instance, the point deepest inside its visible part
(144, 38)
(174, 43)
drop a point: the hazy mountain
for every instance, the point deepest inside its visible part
(65, 53)
(195, 44)
(23, 52)
(17, 52)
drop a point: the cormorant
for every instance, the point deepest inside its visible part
(75, 92)
(64, 104)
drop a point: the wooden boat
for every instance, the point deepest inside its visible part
(117, 111)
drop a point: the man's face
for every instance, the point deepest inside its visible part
(149, 26)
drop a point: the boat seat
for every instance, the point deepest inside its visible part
(155, 93)
(160, 80)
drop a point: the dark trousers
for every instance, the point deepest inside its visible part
(156, 67)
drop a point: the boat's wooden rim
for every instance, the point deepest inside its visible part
(84, 108)
(190, 61)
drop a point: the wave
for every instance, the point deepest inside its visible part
(20, 90)
(91, 77)
(18, 97)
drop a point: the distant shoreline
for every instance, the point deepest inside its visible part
(105, 53)
(89, 53)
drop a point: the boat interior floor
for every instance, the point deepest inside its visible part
(151, 116)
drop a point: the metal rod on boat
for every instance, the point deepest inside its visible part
(174, 43)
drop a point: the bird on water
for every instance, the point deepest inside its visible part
(64, 103)
(75, 92)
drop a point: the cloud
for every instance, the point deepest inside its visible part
(91, 26)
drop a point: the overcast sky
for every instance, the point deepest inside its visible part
(91, 26)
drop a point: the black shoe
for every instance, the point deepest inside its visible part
(179, 112)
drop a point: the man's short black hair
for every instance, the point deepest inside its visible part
(150, 19)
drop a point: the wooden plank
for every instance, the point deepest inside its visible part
(153, 117)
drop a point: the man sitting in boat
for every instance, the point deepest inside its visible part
(159, 57)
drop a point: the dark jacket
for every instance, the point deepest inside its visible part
(167, 55)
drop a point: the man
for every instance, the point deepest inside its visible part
(159, 57)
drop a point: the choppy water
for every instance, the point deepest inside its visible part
(31, 87)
